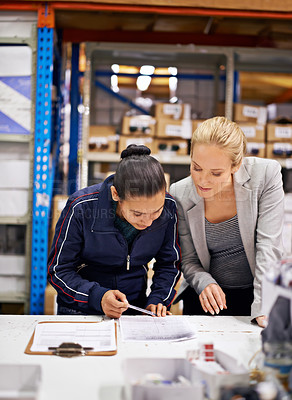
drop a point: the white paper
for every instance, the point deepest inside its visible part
(98, 335)
(144, 328)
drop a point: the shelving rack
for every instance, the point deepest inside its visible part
(43, 176)
(166, 55)
(40, 141)
(234, 59)
(26, 220)
(40, 144)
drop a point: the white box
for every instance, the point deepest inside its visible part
(15, 104)
(13, 203)
(14, 174)
(12, 284)
(14, 151)
(238, 375)
(12, 265)
(276, 110)
(19, 381)
(17, 24)
(15, 60)
(135, 370)
(15, 89)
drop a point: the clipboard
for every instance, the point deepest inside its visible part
(69, 352)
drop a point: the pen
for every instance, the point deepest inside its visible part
(142, 310)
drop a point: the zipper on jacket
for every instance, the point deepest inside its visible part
(128, 262)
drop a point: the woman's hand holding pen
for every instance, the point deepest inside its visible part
(213, 299)
(114, 303)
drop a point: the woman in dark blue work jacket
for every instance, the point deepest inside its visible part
(106, 236)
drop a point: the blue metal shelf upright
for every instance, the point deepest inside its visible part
(42, 187)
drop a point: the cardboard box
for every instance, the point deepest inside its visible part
(15, 105)
(279, 150)
(15, 86)
(173, 111)
(125, 141)
(10, 283)
(170, 147)
(253, 132)
(138, 125)
(256, 149)
(171, 128)
(220, 109)
(276, 110)
(14, 174)
(279, 132)
(13, 203)
(13, 265)
(12, 241)
(103, 138)
(136, 388)
(249, 113)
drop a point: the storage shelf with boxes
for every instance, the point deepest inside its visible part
(17, 76)
(279, 138)
(167, 133)
(252, 120)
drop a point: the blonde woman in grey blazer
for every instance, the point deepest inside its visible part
(230, 222)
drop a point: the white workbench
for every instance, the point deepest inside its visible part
(101, 378)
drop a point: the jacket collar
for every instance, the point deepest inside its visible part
(241, 176)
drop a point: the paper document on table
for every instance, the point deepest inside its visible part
(142, 328)
(100, 336)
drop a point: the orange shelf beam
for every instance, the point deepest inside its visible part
(166, 10)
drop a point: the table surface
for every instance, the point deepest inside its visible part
(101, 377)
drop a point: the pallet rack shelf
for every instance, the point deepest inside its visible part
(39, 141)
(10, 295)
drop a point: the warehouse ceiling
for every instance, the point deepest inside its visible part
(238, 23)
(213, 30)
(158, 28)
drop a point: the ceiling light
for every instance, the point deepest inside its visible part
(115, 68)
(172, 70)
(147, 70)
(143, 82)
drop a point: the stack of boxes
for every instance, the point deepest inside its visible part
(137, 129)
(279, 138)
(15, 167)
(270, 140)
(173, 129)
(252, 120)
(102, 138)
(167, 133)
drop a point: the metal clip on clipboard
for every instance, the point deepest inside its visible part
(70, 349)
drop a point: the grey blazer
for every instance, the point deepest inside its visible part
(260, 209)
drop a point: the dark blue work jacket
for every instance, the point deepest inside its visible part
(90, 256)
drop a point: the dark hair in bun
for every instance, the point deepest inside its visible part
(138, 174)
(135, 150)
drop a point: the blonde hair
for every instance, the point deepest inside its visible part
(225, 134)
